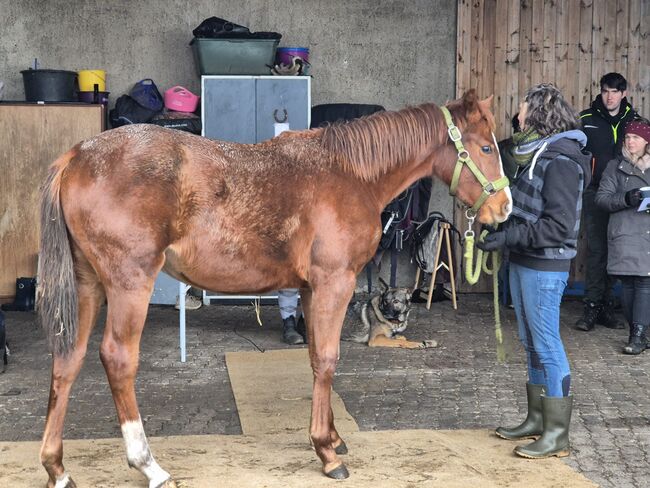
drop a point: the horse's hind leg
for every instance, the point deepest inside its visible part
(64, 371)
(127, 311)
(327, 307)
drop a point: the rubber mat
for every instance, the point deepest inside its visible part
(273, 392)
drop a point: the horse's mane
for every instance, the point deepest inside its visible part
(372, 145)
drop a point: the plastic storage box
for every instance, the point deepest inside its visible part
(234, 56)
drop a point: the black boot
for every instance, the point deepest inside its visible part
(301, 327)
(289, 333)
(554, 441)
(606, 316)
(590, 314)
(638, 341)
(532, 426)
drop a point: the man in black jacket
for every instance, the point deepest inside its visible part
(603, 123)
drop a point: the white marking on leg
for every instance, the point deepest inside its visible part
(62, 481)
(139, 455)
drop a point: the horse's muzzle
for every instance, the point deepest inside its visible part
(496, 209)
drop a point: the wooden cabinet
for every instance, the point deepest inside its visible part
(32, 136)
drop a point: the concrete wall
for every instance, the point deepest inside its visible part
(390, 52)
(393, 52)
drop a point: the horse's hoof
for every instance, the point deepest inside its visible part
(69, 484)
(339, 473)
(341, 448)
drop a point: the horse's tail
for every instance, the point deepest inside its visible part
(57, 286)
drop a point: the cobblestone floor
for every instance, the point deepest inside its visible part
(458, 385)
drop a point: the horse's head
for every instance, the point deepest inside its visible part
(477, 178)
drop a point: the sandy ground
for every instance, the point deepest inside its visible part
(404, 458)
(279, 455)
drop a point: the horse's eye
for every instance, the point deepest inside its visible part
(486, 149)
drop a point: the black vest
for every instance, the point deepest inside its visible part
(528, 206)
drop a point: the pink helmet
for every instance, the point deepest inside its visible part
(180, 99)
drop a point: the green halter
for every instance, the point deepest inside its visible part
(464, 159)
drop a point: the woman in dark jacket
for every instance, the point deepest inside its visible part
(628, 233)
(541, 236)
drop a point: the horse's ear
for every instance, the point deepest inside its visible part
(487, 103)
(470, 101)
(472, 107)
(485, 107)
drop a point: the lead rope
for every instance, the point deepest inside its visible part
(473, 272)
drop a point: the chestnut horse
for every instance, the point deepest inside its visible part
(301, 210)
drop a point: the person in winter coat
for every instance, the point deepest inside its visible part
(628, 233)
(542, 235)
(603, 123)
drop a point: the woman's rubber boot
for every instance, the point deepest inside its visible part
(556, 412)
(638, 341)
(532, 427)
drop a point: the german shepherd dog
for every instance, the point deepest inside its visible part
(380, 321)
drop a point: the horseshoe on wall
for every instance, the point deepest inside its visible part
(284, 113)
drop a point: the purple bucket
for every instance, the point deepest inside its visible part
(284, 55)
(89, 97)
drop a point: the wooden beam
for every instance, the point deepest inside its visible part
(513, 63)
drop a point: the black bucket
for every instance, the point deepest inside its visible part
(50, 85)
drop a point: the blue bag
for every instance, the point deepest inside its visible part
(146, 94)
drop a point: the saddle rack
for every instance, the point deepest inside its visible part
(449, 266)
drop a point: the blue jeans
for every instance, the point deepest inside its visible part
(536, 296)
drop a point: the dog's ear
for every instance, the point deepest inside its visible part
(384, 285)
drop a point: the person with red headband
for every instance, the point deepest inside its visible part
(623, 187)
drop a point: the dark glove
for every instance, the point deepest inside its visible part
(633, 197)
(493, 241)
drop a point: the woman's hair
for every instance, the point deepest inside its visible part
(548, 112)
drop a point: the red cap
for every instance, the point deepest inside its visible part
(639, 128)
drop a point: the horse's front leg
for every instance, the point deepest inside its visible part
(327, 307)
(127, 311)
(339, 445)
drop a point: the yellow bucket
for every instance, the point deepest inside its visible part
(88, 78)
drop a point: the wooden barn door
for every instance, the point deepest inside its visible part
(506, 46)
